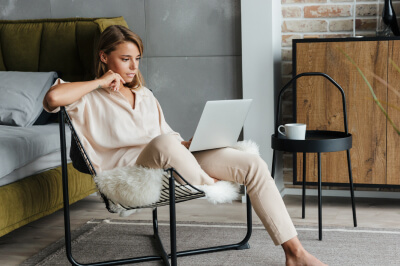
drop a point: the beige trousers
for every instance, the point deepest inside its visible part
(227, 164)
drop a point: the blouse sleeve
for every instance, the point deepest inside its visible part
(71, 106)
(165, 128)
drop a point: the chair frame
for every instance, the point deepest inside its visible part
(173, 199)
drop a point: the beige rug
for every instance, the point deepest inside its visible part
(116, 239)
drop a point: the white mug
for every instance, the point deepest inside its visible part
(293, 131)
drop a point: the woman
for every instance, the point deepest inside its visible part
(122, 124)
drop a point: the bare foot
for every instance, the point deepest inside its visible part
(302, 258)
(296, 255)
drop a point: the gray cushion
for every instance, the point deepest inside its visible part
(21, 96)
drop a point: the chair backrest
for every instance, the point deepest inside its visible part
(77, 159)
(80, 160)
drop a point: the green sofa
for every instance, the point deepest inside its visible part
(65, 46)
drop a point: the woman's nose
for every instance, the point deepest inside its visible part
(134, 64)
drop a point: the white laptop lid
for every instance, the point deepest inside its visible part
(220, 124)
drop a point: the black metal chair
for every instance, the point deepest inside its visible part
(172, 193)
(316, 141)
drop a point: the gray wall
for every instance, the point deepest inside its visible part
(192, 48)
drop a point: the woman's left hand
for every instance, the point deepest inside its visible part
(187, 143)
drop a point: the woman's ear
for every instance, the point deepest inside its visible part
(103, 57)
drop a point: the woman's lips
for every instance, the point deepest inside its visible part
(131, 75)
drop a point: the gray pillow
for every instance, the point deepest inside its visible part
(21, 96)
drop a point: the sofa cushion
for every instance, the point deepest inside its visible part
(20, 44)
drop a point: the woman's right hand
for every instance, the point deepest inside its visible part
(111, 80)
(63, 94)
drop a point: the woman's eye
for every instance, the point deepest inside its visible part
(125, 59)
(138, 59)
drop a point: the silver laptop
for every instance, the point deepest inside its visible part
(220, 124)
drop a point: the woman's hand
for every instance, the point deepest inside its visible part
(187, 143)
(215, 180)
(111, 80)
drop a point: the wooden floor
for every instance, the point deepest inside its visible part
(24, 242)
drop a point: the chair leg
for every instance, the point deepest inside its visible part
(67, 226)
(155, 222)
(244, 243)
(303, 206)
(241, 245)
(172, 219)
(156, 236)
(319, 198)
(353, 205)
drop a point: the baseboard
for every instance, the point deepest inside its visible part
(342, 193)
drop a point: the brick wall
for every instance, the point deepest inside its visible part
(322, 19)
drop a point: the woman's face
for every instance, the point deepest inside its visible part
(124, 60)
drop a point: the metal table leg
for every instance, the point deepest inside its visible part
(353, 205)
(319, 198)
(303, 210)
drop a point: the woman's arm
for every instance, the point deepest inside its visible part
(66, 93)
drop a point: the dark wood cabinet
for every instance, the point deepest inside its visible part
(376, 145)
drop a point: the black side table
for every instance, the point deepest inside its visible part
(316, 141)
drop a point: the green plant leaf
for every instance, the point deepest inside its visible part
(372, 90)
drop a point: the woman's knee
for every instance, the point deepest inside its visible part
(257, 167)
(254, 160)
(163, 142)
(157, 151)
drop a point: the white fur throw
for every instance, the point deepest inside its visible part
(138, 186)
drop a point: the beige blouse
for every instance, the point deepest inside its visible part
(112, 133)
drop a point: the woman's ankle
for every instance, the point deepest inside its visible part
(293, 247)
(296, 254)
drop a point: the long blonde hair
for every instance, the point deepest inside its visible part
(109, 39)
